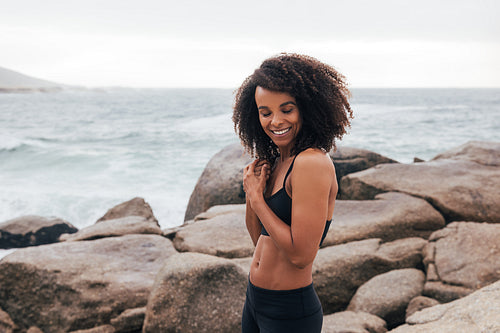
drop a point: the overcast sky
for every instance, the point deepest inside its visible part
(217, 43)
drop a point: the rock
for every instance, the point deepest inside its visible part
(461, 258)
(221, 181)
(34, 329)
(349, 160)
(482, 152)
(419, 303)
(130, 320)
(32, 230)
(244, 263)
(223, 235)
(353, 322)
(79, 285)
(6, 323)
(196, 292)
(117, 227)
(477, 312)
(459, 189)
(339, 270)
(389, 217)
(220, 210)
(134, 207)
(98, 329)
(387, 295)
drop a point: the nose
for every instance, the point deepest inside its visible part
(277, 120)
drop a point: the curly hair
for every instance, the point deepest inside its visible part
(322, 99)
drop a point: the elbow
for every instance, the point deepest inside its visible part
(300, 262)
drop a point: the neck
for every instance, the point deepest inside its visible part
(285, 153)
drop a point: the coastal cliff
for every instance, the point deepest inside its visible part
(15, 82)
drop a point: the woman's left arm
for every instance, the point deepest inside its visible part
(312, 179)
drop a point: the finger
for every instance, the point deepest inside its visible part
(251, 167)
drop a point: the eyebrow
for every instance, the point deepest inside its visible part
(281, 105)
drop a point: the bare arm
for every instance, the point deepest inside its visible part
(311, 180)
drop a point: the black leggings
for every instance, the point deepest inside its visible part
(287, 311)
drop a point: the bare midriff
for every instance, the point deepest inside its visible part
(271, 269)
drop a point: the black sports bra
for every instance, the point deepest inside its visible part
(281, 204)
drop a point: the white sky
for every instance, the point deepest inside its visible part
(217, 43)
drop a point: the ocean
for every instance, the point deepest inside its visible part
(76, 153)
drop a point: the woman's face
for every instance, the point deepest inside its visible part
(279, 117)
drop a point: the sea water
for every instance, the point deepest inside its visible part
(74, 154)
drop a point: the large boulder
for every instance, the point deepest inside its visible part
(459, 188)
(79, 285)
(353, 322)
(477, 312)
(387, 295)
(197, 293)
(389, 217)
(134, 207)
(349, 160)
(117, 227)
(223, 234)
(32, 230)
(482, 152)
(339, 270)
(221, 181)
(461, 258)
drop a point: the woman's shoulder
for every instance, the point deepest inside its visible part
(314, 159)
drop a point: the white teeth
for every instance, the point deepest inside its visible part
(281, 132)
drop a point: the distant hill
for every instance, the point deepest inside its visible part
(15, 81)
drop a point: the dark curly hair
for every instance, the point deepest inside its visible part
(322, 99)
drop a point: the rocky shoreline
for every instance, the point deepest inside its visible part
(413, 248)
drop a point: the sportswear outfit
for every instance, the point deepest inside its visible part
(282, 311)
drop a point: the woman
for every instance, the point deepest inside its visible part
(288, 113)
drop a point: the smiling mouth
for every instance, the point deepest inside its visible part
(281, 132)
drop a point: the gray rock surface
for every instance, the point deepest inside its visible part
(349, 160)
(419, 303)
(34, 329)
(32, 230)
(78, 285)
(220, 210)
(387, 295)
(482, 152)
(339, 270)
(460, 189)
(134, 207)
(477, 312)
(223, 235)
(461, 258)
(353, 322)
(389, 217)
(130, 320)
(112, 228)
(98, 329)
(221, 181)
(6, 323)
(196, 292)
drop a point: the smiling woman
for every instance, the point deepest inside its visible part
(288, 114)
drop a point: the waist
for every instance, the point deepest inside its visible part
(282, 304)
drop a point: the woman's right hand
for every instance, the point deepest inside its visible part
(255, 176)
